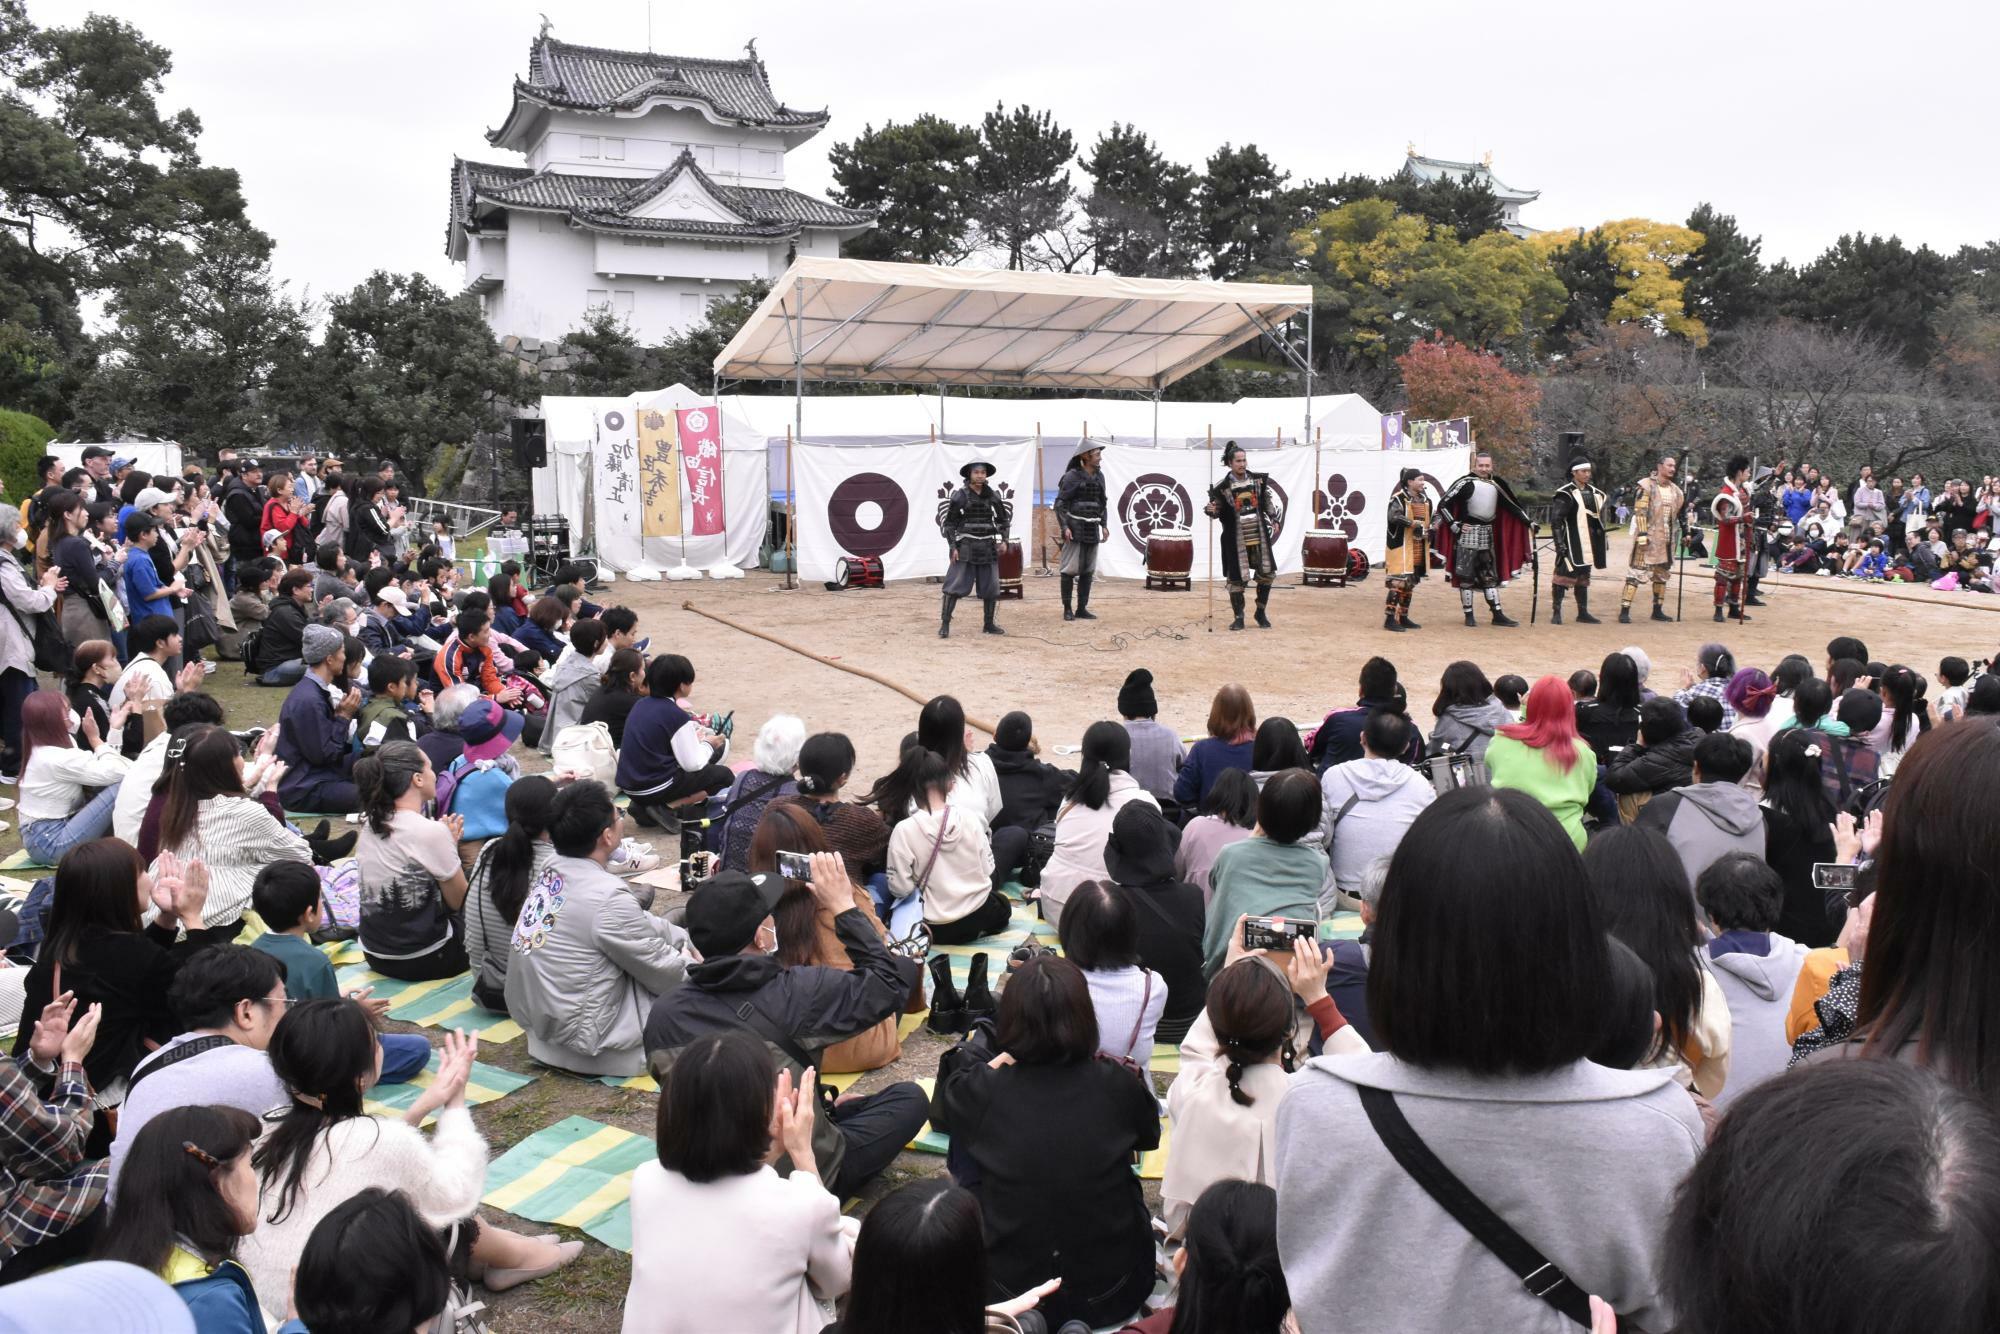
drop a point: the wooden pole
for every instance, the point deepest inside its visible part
(1034, 527)
(1211, 531)
(791, 515)
(862, 672)
(1319, 477)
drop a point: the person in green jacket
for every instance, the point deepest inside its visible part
(1270, 873)
(1543, 756)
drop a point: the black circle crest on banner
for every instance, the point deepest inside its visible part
(1153, 500)
(843, 510)
(614, 420)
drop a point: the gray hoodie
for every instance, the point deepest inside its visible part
(571, 684)
(1583, 1160)
(1468, 727)
(1759, 991)
(1706, 821)
(1388, 796)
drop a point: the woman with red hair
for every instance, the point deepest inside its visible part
(1543, 757)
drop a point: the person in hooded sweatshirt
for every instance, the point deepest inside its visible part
(1466, 712)
(1715, 815)
(1170, 912)
(1755, 967)
(1157, 750)
(1367, 805)
(1659, 761)
(573, 681)
(1030, 792)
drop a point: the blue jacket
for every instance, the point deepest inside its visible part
(224, 1302)
(538, 639)
(316, 746)
(1206, 760)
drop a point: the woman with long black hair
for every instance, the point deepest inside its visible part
(920, 1268)
(325, 1149)
(1906, 717)
(1798, 834)
(187, 1197)
(976, 787)
(208, 815)
(412, 880)
(1644, 899)
(1230, 1278)
(944, 855)
(1083, 824)
(506, 867)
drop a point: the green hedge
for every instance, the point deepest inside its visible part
(23, 439)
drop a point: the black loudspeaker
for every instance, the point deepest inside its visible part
(1567, 442)
(531, 442)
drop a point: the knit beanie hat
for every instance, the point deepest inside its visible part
(319, 643)
(1015, 731)
(1135, 697)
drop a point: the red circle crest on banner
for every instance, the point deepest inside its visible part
(843, 514)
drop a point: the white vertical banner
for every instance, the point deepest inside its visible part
(1354, 485)
(615, 513)
(1154, 489)
(886, 500)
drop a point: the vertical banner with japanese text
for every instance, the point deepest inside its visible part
(659, 479)
(701, 452)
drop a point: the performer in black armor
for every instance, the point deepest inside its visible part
(1249, 512)
(1080, 513)
(1486, 537)
(1581, 544)
(975, 523)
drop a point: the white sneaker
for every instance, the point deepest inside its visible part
(632, 858)
(207, 668)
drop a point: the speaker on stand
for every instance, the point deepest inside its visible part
(531, 442)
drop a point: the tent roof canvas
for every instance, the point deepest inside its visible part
(859, 320)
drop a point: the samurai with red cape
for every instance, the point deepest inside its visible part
(1485, 538)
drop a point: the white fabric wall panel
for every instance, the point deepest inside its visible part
(884, 500)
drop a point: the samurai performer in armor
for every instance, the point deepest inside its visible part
(1249, 512)
(1080, 513)
(1655, 504)
(1581, 546)
(975, 524)
(1764, 512)
(1486, 538)
(1734, 518)
(1408, 557)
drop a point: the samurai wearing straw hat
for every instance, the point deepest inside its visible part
(975, 525)
(1081, 514)
(1581, 545)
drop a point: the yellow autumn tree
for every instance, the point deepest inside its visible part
(1647, 258)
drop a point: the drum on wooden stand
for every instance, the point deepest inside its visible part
(1010, 569)
(1169, 558)
(1326, 558)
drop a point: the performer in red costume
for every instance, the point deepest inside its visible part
(1733, 517)
(1485, 539)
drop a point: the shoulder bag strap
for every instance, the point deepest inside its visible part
(1341, 814)
(937, 845)
(1132, 1042)
(174, 1056)
(1538, 1274)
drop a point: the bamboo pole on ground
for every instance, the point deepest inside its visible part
(1034, 529)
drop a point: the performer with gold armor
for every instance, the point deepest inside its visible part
(1654, 506)
(1408, 557)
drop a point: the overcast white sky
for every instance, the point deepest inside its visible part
(1804, 120)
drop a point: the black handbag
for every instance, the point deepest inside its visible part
(1540, 1275)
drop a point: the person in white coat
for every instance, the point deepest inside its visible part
(943, 854)
(1083, 825)
(719, 1239)
(1367, 805)
(1754, 967)
(1236, 1064)
(941, 730)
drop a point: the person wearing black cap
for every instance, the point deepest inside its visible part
(243, 509)
(1157, 751)
(975, 523)
(1407, 558)
(97, 462)
(1578, 520)
(798, 1011)
(1249, 512)
(1080, 512)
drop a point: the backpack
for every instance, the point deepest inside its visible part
(340, 893)
(476, 790)
(586, 748)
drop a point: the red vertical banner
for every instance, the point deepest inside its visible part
(701, 448)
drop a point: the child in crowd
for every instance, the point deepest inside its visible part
(1952, 674)
(1874, 565)
(398, 709)
(287, 896)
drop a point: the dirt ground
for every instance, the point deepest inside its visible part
(1067, 675)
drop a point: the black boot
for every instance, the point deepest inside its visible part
(1736, 614)
(327, 851)
(1068, 588)
(1660, 612)
(1583, 616)
(989, 627)
(944, 620)
(1500, 617)
(1469, 621)
(1083, 612)
(1389, 621)
(1755, 599)
(1556, 616)
(1236, 605)
(1625, 614)
(1718, 613)
(947, 1006)
(979, 1001)
(1263, 596)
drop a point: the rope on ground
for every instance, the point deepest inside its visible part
(837, 665)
